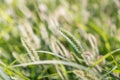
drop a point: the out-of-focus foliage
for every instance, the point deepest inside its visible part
(59, 39)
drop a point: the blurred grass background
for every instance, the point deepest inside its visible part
(77, 39)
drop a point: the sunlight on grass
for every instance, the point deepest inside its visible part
(59, 39)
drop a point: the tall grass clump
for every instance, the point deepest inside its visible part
(59, 40)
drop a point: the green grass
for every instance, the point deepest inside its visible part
(59, 40)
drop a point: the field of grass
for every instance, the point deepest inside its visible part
(59, 39)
